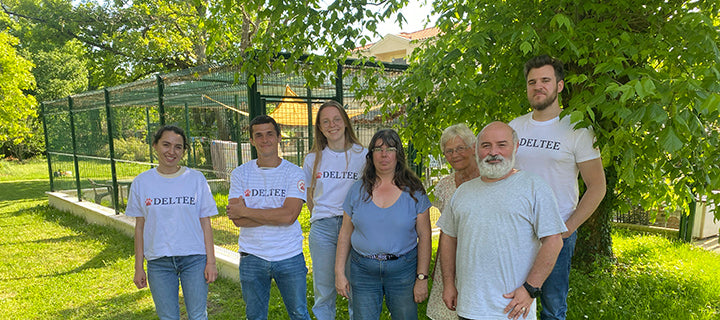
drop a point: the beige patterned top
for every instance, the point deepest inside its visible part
(436, 308)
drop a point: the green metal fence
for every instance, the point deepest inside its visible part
(98, 141)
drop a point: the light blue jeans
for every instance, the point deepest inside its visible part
(166, 274)
(556, 287)
(372, 279)
(323, 244)
(290, 275)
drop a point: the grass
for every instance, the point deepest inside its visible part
(654, 278)
(53, 265)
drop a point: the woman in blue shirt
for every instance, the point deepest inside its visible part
(386, 234)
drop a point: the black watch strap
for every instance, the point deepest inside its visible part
(534, 292)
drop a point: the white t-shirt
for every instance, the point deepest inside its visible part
(172, 206)
(552, 149)
(267, 188)
(336, 172)
(498, 226)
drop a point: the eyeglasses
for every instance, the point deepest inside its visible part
(384, 150)
(460, 149)
(326, 122)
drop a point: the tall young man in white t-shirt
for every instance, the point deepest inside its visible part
(553, 149)
(266, 196)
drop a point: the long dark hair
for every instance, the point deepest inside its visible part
(403, 177)
(320, 140)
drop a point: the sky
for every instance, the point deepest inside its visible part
(415, 13)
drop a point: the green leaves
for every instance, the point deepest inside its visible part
(16, 107)
(642, 74)
(670, 141)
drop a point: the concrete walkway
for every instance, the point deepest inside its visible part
(709, 243)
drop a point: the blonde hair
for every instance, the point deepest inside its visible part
(320, 142)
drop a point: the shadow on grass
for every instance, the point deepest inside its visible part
(109, 308)
(22, 190)
(117, 245)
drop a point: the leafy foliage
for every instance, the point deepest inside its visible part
(15, 79)
(643, 74)
(94, 44)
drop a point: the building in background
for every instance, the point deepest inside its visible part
(396, 48)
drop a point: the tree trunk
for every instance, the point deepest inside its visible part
(594, 241)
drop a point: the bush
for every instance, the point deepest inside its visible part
(131, 148)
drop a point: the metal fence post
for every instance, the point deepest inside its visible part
(255, 110)
(310, 118)
(74, 146)
(339, 94)
(412, 155)
(687, 223)
(161, 99)
(47, 146)
(148, 136)
(238, 130)
(111, 147)
(187, 134)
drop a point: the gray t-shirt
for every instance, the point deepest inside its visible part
(498, 226)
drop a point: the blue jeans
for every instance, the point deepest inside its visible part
(290, 275)
(165, 275)
(323, 244)
(372, 279)
(556, 287)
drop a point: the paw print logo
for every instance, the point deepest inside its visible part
(247, 193)
(301, 186)
(148, 202)
(318, 175)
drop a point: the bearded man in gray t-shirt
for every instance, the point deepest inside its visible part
(501, 235)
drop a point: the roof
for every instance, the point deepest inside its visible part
(422, 34)
(293, 111)
(416, 35)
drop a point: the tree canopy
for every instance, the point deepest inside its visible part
(87, 45)
(129, 40)
(643, 74)
(15, 79)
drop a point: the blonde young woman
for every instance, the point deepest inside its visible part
(332, 166)
(458, 145)
(172, 206)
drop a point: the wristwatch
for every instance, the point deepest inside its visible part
(421, 276)
(534, 292)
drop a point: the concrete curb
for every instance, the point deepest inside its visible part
(227, 260)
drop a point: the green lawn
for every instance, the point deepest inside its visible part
(53, 265)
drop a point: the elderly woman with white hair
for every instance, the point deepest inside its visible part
(458, 145)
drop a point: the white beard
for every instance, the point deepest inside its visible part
(495, 171)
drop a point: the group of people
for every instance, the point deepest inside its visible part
(509, 212)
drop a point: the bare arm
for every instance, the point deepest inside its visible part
(541, 268)
(545, 260)
(447, 252)
(341, 255)
(593, 175)
(232, 215)
(422, 226)
(250, 217)
(140, 278)
(210, 266)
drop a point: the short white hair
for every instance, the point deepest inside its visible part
(460, 130)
